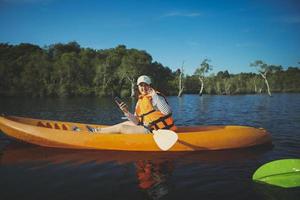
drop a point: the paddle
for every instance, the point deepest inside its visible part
(283, 173)
(164, 138)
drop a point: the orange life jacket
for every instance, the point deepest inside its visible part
(152, 118)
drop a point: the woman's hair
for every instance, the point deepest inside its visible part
(136, 92)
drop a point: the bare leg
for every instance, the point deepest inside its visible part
(129, 129)
(124, 127)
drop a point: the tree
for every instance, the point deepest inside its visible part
(133, 64)
(204, 68)
(264, 69)
(223, 82)
(35, 75)
(87, 58)
(56, 50)
(180, 82)
(68, 69)
(162, 78)
(68, 74)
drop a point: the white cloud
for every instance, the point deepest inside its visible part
(182, 14)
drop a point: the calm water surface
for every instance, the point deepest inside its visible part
(32, 172)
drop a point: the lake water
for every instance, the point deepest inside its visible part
(32, 172)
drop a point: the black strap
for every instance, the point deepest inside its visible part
(160, 94)
(143, 115)
(152, 126)
(148, 128)
(161, 119)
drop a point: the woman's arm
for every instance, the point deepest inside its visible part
(131, 117)
(160, 103)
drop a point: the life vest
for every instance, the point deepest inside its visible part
(152, 118)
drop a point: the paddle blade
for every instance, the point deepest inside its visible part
(165, 139)
(283, 173)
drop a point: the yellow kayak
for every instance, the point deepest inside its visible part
(71, 135)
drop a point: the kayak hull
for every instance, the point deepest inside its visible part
(60, 134)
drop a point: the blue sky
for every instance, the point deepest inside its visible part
(232, 33)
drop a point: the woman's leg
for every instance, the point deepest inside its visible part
(126, 127)
(115, 128)
(129, 129)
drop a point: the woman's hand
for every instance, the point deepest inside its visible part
(151, 92)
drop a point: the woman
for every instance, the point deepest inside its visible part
(152, 112)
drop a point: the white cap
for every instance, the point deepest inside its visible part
(143, 79)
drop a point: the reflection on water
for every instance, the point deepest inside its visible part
(154, 177)
(20, 153)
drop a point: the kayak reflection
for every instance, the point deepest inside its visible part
(154, 177)
(19, 153)
(150, 173)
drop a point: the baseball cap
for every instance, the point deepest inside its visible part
(144, 79)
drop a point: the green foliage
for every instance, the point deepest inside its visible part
(70, 70)
(204, 68)
(264, 68)
(124, 93)
(192, 84)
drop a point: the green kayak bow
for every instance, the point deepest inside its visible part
(283, 173)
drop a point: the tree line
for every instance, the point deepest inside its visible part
(70, 70)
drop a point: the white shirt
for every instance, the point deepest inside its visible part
(159, 103)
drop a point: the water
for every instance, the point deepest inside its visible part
(32, 172)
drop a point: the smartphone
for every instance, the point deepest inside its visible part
(118, 100)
